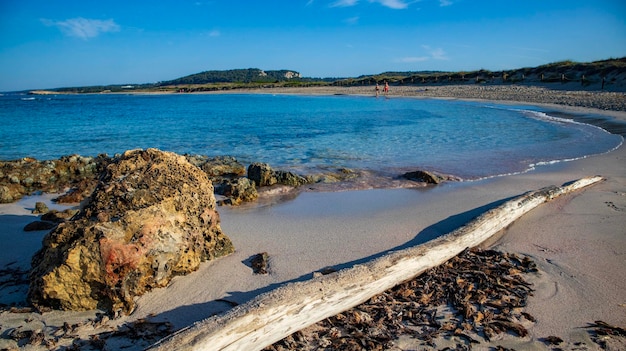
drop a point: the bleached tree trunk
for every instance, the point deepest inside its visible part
(285, 310)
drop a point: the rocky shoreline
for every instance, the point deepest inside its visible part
(77, 176)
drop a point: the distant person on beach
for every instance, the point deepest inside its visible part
(377, 89)
(386, 90)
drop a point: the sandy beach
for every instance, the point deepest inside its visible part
(578, 241)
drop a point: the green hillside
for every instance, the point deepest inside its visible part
(250, 75)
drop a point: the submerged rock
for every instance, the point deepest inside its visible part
(152, 216)
(425, 177)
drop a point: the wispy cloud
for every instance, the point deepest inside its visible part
(412, 59)
(392, 4)
(344, 3)
(215, 33)
(433, 54)
(444, 3)
(83, 28)
(352, 20)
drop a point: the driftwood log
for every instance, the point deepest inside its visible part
(276, 314)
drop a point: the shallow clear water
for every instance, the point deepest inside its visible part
(301, 133)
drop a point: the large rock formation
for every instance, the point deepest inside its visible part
(152, 216)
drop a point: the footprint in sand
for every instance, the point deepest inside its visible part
(613, 206)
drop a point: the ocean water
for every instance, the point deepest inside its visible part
(301, 133)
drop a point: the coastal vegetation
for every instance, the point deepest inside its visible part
(604, 74)
(610, 71)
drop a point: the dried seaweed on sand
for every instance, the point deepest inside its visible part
(474, 297)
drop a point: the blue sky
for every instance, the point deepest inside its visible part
(49, 44)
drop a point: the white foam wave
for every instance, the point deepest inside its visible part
(553, 119)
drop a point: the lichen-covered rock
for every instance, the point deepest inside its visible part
(237, 191)
(262, 174)
(40, 207)
(289, 178)
(227, 175)
(218, 167)
(78, 192)
(6, 194)
(152, 216)
(27, 175)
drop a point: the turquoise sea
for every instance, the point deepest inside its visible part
(302, 133)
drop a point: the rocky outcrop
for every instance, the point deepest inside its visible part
(55, 216)
(78, 192)
(426, 177)
(27, 175)
(219, 167)
(40, 207)
(152, 216)
(289, 178)
(79, 176)
(227, 175)
(263, 175)
(237, 191)
(50, 219)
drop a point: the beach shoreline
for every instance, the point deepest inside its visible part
(578, 242)
(597, 101)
